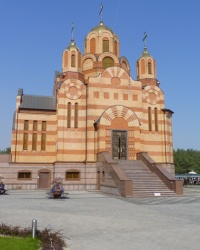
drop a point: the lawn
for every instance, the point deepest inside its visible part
(17, 243)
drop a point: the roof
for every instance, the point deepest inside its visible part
(72, 45)
(38, 102)
(101, 27)
(145, 53)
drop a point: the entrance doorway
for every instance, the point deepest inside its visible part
(119, 145)
(44, 180)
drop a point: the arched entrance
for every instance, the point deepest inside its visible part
(118, 133)
(119, 127)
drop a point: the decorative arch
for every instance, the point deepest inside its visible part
(72, 88)
(118, 111)
(109, 54)
(125, 64)
(88, 61)
(115, 72)
(153, 95)
(116, 118)
(87, 64)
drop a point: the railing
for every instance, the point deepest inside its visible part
(170, 181)
(122, 183)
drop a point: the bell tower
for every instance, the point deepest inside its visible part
(146, 67)
(71, 59)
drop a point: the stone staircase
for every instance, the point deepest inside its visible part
(145, 182)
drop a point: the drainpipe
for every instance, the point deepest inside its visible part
(16, 138)
(86, 129)
(165, 139)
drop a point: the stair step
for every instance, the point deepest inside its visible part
(145, 182)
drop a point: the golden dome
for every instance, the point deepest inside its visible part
(101, 27)
(72, 45)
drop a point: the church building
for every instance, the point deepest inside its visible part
(98, 118)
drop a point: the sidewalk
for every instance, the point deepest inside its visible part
(95, 221)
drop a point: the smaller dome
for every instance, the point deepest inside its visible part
(101, 27)
(72, 45)
(145, 53)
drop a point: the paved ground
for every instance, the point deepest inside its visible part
(94, 221)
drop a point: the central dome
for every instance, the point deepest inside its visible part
(101, 39)
(101, 27)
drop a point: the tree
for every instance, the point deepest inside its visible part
(186, 161)
(5, 151)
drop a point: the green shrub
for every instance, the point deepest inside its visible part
(47, 237)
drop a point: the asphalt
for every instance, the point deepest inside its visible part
(95, 221)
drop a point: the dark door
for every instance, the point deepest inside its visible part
(44, 180)
(119, 145)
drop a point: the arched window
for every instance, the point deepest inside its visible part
(124, 65)
(34, 141)
(142, 66)
(149, 119)
(26, 124)
(149, 68)
(35, 125)
(93, 46)
(66, 59)
(43, 142)
(115, 48)
(76, 115)
(69, 115)
(156, 118)
(25, 141)
(105, 45)
(79, 60)
(107, 62)
(137, 69)
(73, 61)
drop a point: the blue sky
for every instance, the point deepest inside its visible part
(34, 33)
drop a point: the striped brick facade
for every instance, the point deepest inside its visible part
(94, 96)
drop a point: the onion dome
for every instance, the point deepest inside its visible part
(72, 46)
(101, 27)
(145, 53)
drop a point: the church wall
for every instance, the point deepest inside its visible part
(88, 175)
(19, 153)
(87, 181)
(71, 137)
(104, 93)
(10, 171)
